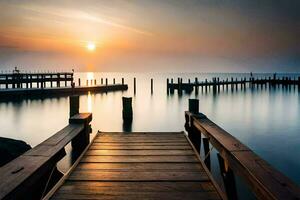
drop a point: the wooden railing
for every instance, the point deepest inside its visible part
(235, 158)
(27, 176)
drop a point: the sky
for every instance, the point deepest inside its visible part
(151, 35)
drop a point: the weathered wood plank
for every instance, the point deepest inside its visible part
(111, 134)
(139, 152)
(120, 190)
(218, 136)
(139, 159)
(142, 144)
(140, 195)
(98, 175)
(87, 187)
(262, 177)
(134, 140)
(140, 166)
(141, 147)
(58, 141)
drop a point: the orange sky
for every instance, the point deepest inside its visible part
(129, 31)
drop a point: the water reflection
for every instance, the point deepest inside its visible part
(89, 102)
(264, 118)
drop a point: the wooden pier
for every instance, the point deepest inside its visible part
(143, 165)
(37, 80)
(62, 91)
(233, 83)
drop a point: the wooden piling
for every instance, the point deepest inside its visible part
(122, 81)
(106, 81)
(101, 81)
(74, 105)
(194, 106)
(228, 179)
(95, 82)
(127, 108)
(114, 81)
(79, 82)
(134, 85)
(151, 85)
(206, 152)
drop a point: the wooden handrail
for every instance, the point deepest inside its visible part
(265, 181)
(20, 176)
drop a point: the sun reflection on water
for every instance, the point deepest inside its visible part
(89, 102)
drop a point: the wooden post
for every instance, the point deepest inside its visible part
(228, 179)
(206, 152)
(172, 86)
(106, 81)
(6, 82)
(58, 80)
(66, 80)
(193, 134)
(81, 141)
(101, 81)
(196, 86)
(122, 81)
(151, 85)
(91, 82)
(168, 85)
(74, 105)
(30, 81)
(134, 85)
(79, 82)
(114, 81)
(127, 108)
(194, 106)
(87, 82)
(95, 82)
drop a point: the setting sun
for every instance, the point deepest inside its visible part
(91, 46)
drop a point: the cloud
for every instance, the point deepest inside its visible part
(76, 14)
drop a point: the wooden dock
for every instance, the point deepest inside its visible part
(19, 79)
(61, 91)
(141, 165)
(233, 83)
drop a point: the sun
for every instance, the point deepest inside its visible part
(91, 46)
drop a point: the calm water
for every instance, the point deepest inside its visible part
(266, 119)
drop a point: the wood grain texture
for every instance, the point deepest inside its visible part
(138, 166)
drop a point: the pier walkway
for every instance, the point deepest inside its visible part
(142, 165)
(139, 166)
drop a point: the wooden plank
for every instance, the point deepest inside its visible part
(138, 133)
(134, 140)
(140, 195)
(142, 144)
(139, 152)
(122, 147)
(57, 142)
(137, 190)
(98, 175)
(263, 177)
(139, 159)
(220, 138)
(88, 186)
(141, 135)
(140, 166)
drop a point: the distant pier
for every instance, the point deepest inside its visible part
(18, 84)
(38, 80)
(216, 83)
